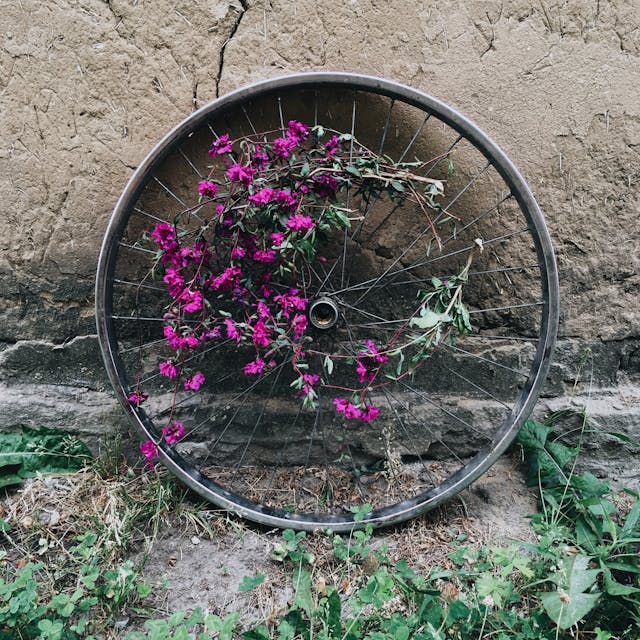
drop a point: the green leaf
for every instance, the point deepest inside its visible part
(429, 319)
(354, 171)
(304, 172)
(632, 519)
(590, 486)
(302, 585)
(328, 365)
(39, 450)
(397, 185)
(546, 459)
(248, 583)
(586, 537)
(334, 610)
(623, 437)
(499, 589)
(450, 167)
(7, 478)
(566, 614)
(259, 633)
(623, 566)
(342, 217)
(615, 588)
(458, 610)
(224, 627)
(569, 603)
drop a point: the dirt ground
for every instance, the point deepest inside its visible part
(196, 571)
(198, 556)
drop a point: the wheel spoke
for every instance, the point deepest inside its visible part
(482, 359)
(188, 161)
(171, 193)
(435, 409)
(415, 137)
(369, 285)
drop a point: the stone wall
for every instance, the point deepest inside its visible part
(87, 87)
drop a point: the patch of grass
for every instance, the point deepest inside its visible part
(75, 597)
(579, 578)
(65, 542)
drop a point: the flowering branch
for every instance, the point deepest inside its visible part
(242, 271)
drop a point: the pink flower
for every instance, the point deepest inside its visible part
(240, 173)
(262, 310)
(227, 279)
(299, 325)
(149, 450)
(277, 238)
(213, 334)
(137, 398)
(364, 375)
(174, 282)
(259, 159)
(325, 186)
(290, 302)
(332, 145)
(238, 252)
(297, 130)
(310, 381)
(168, 369)
(173, 432)
(192, 301)
(261, 334)
(264, 255)
(282, 146)
(232, 330)
(194, 382)
(377, 356)
(369, 362)
(352, 412)
(299, 222)
(164, 235)
(286, 200)
(190, 342)
(254, 368)
(172, 337)
(207, 188)
(370, 413)
(340, 404)
(262, 197)
(221, 146)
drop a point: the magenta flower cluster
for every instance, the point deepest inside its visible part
(260, 217)
(172, 433)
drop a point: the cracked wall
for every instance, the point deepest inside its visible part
(87, 88)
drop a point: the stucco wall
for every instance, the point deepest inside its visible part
(87, 87)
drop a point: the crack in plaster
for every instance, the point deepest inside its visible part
(232, 33)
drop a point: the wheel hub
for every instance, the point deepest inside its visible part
(323, 313)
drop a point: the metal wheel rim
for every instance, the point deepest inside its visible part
(549, 280)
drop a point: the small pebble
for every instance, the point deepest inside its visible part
(50, 518)
(121, 623)
(195, 540)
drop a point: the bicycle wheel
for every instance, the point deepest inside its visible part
(431, 420)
